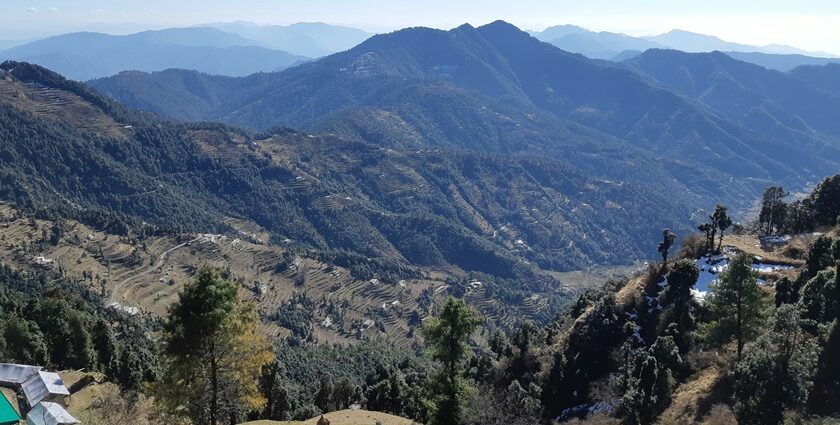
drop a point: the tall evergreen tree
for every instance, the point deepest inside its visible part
(736, 304)
(678, 303)
(214, 354)
(446, 336)
(722, 222)
(777, 372)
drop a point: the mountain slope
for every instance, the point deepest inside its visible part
(496, 90)
(781, 62)
(524, 93)
(437, 207)
(825, 78)
(83, 56)
(769, 102)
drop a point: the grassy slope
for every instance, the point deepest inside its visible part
(345, 417)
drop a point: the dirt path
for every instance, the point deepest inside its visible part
(114, 298)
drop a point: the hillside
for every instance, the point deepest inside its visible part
(495, 89)
(356, 211)
(84, 56)
(766, 101)
(401, 258)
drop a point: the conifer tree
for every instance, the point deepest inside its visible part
(736, 304)
(446, 335)
(214, 354)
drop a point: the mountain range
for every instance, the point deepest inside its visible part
(497, 89)
(243, 48)
(416, 205)
(83, 56)
(232, 49)
(506, 141)
(617, 47)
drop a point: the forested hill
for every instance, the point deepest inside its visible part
(495, 89)
(70, 152)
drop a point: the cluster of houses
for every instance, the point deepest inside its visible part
(44, 394)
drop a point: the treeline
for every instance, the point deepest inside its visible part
(60, 324)
(819, 208)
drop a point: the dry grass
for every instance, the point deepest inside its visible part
(691, 398)
(780, 255)
(345, 417)
(720, 415)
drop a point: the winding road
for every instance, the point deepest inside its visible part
(114, 298)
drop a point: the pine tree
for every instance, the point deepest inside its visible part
(214, 354)
(736, 304)
(777, 372)
(722, 222)
(678, 303)
(446, 335)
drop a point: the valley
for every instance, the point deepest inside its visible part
(452, 227)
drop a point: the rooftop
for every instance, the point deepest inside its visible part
(42, 385)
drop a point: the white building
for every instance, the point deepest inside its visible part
(46, 413)
(14, 375)
(45, 386)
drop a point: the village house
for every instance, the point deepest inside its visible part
(44, 392)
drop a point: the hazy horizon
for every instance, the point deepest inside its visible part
(809, 25)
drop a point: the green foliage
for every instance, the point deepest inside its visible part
(24, 342)
(820, 297)
(777, 372)
(585, 358)
(668, 238)
(786, 292)
(214, 354)
(736, 305)
(650, 382)
(60, 324)
(678, 304)
(721, 221)
(825, 397)
(446, 336)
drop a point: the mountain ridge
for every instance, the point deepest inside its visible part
(87, 55)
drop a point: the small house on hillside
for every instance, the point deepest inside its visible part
(14, 375)
(46, 413)
(45, 386)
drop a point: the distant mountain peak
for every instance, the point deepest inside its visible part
(500, 25)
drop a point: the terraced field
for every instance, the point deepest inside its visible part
(59, 105)
(146, 276)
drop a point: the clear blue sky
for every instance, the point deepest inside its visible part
(809, 24)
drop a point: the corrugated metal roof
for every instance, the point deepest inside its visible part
(46, 413)
(16, 374)
(43, 384)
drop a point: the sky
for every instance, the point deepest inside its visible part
(808, 24)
